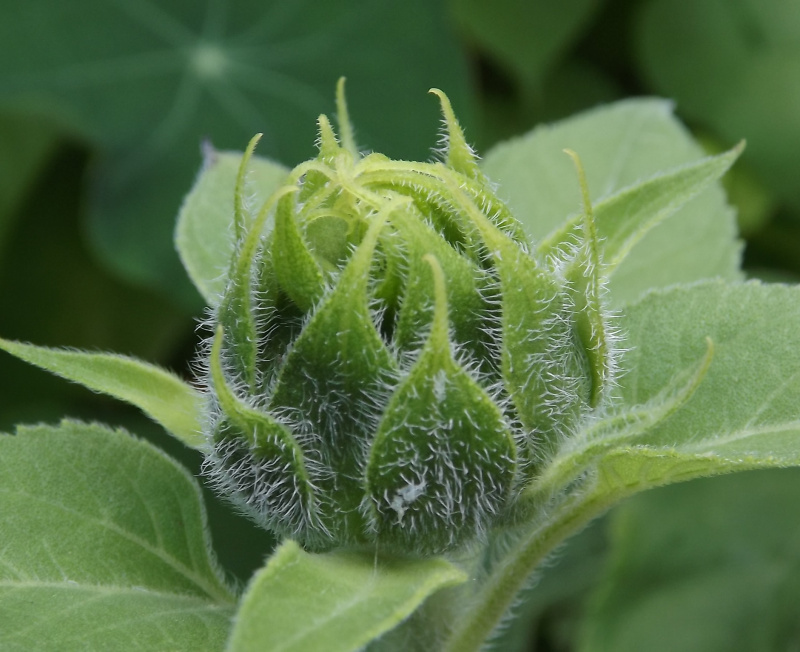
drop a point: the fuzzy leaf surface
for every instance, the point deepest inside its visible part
(164, 397)
(672, 423)
(105, 546)
(619, 145)
(708, 566)
(747, 403)
(346, 600)
(626, 216)
(145, 82)
(204, 235)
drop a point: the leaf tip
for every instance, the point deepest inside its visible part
(343, 118)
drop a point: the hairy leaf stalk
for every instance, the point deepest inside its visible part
(392, 362)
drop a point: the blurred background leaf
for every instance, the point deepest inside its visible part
(734, 64)
(144, 82)
(708, 566)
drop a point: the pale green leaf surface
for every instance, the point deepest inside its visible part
(204, 234)
(619, 145)
(737, 74)
(161, 395)
(346, 600)
(147, 81)
(747, 404)
(626, 216)
(708, 566)
(676, 418)
(104, 546)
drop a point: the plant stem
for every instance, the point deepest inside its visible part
(498, 593)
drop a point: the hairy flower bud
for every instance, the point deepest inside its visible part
(391, 361)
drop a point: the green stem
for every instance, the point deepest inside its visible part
(498, 593)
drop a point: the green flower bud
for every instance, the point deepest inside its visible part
(391, 361)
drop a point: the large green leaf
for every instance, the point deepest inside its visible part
(164, 397)
(736, 72)
(147, 81)
(205, 235)
(105, 546)
(336, 602)
(619, 145)
(684, 413)
(747, 403)
(708, 566)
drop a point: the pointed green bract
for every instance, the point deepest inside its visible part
(102, 532)
(338, 355)
(236, 311)
(164, 397)
(253, 451)
(441, 414)
(586, 275)
(416, 302)
(459, 155)
(364, 597)
(297, 270)
(543, 368)
(343, 118)
(241, 211)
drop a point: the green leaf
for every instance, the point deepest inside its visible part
(105, 546)
(747, 403)
(204, 235)
(625, 217)
(619, 145)
(527, 37)
(679, 415)
(145, 82)
(339, 353)
(737, 74)
(161, 395)
(708, 566)
(336, 602)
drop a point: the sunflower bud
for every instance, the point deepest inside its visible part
(391, 361)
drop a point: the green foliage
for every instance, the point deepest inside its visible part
(144, 82)
(204, 236)
(736, 74)
(360, 304)
(524, 36)
(103, 533)
(362, 599)
(621, 146)
(161, 395)
(707, 566)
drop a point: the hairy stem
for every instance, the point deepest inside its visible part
(511, 574)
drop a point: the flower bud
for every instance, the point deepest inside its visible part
(391, 361)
